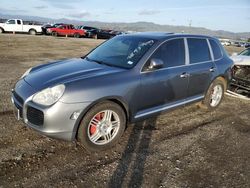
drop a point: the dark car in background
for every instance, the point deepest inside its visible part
(48, 26)
(91, 32)
(126, 79)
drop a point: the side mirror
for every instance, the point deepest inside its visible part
(155, 64)
(234, 54)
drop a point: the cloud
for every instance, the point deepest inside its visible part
(13, 10)
(79, 15)
(149, 12)
(109, 11)
(41, 7)
(62, 4)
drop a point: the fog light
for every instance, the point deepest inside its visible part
(75, 115)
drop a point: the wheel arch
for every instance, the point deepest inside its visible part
(223, 79)
(2, 29)
(114, 99)
(32, 29)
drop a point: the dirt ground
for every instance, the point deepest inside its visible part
(187, 147)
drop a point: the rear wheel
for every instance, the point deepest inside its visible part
(214, 95)
(1, 30)
(102, 126)
(77, 35)
(32, 32)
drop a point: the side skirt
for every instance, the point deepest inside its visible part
(166, 107)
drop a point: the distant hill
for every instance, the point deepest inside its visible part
(136, 26)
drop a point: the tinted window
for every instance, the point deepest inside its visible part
(172, 53)
(198, 50)
(216, 49)
(62, 27)
(19, 22)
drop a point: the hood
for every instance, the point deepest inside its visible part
(51, 74)
(241, 60)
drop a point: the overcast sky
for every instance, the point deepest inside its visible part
(231, 15)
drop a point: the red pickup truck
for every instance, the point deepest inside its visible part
(67, 30)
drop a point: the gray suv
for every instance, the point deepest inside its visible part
(125, 79)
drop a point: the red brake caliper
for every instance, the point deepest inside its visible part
(93, 126)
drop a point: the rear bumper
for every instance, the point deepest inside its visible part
(57, 122)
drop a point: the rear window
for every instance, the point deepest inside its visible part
(198, 50)
(216, 49)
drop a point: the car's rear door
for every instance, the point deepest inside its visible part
(167, 85)
(201, 66)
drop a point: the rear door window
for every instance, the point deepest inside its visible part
(216, 49)
(198, 50)
(172, 53)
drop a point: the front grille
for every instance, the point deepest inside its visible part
(35, 116)
(18, 98)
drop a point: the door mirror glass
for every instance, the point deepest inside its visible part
(155, 64)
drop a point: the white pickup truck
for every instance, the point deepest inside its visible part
(18, 26)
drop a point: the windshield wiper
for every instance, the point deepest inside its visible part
(99, 62)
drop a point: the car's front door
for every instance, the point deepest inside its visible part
(201, 66)
(10, 25)
(167, 85)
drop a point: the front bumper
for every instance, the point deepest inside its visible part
(57, 121)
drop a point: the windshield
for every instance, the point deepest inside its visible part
(245, 52)
(121, 51)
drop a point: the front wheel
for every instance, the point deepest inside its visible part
(1, 30)
(54, 34)
(77, 35)
(102, 126)
(214, 95)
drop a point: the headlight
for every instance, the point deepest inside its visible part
(26, 73)
(49, 96)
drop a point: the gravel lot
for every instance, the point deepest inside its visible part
(187, 147)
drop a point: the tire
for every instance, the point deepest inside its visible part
(77, 35)
(214, 95)
(55, 34)
(32, 32)
(96, 135)
(1, 30)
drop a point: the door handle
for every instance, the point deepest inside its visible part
(212, 69)
(184, 75)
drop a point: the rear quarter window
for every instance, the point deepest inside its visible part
(216, 49)
(198, 50)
